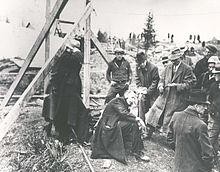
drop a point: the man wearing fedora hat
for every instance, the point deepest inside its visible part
(188, 136)
(174, 84)
(202, 64)
(147, 78)
(214, 98)
(118, 74)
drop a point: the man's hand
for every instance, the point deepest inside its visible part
(113, 83)
(142, 90)
(172, 85)
(161, 89)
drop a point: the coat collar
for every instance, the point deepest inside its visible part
(178, 72)
(191, 111)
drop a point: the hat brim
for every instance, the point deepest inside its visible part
(174, 57)
(215, 72)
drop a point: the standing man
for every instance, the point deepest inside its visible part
(202, 65)
(174, 85)
(147, 78)
(188, 136)
(214, 122)
(116, 127)
(118, 74)
(207, 78)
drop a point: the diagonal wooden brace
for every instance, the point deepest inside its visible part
(57, 9)
(37, 81)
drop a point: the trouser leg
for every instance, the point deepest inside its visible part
(143, 107)
(150, 131)
(214, 131)
(131, 132)
(111, 94)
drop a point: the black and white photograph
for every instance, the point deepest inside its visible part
(109, 86)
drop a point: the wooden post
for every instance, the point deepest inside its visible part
(99, 47)
(37, 81)
(58, 7)
(47, 42)
(86, 88)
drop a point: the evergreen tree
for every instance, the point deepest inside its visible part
(149, 32)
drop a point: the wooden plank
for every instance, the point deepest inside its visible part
(58, 7)
(86, 74)
(99, 47)
(37, 81)
(65, 21)
(18, 96)
(47, 41)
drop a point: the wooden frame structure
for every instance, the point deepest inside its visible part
(50, 61)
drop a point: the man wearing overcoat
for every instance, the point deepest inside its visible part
(147, 78)
(116, 127)
(176, 81)
(188, 136)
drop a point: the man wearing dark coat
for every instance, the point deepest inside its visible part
(202, 65)
(117, 127)
(176, 80)
(188, 136)
(63, 107)
(119, 75)
(147, 78)
(214, 122)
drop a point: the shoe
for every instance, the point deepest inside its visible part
(141, 157)
(86, 144)
(107, 164)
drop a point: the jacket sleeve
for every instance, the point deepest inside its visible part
(108, 73)
(162, 78)
(137, 77)
(207, 152)
(189, 81)
(123, 112)
(129, 73)
(155, 79)
(170, 135)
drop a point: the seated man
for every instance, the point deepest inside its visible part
(116, 127)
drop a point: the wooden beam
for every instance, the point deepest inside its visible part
(99, 47)
(65, 21)
(58, 7)
(47, 41)
(37, 81)
(86, 74)
(18, 96)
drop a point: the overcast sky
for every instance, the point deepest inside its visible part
(120, 17)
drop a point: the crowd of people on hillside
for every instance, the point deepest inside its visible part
(181, 104)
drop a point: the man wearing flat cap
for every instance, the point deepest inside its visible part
(188, 136)
(147, 78)
(175, 82)
(118, 74)
(214, 120)
(202, 65)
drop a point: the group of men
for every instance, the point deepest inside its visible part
(182, 102)
(177, 103)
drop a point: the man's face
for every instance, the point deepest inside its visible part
(176, 61)
(132, 99)
(208, 53)
(202, 108)
(119, 55)
(211, 66)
